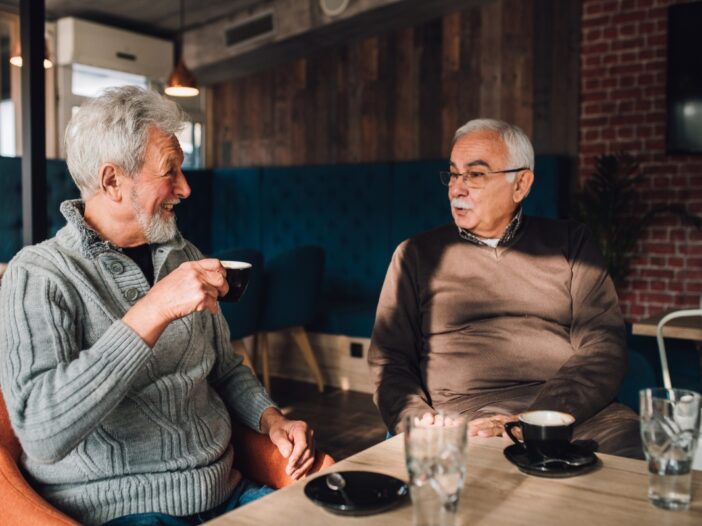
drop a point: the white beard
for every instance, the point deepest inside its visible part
(157, 229)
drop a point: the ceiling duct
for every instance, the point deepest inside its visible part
(272, 32)
(255, 29)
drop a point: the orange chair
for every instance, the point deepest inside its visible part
(256, 457)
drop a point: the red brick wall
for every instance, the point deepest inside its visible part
(623, 66)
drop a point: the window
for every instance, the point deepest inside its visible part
(190, 139)
(88, 81)
(78, 82)
(8, 135)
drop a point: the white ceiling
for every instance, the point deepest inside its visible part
(156, 17)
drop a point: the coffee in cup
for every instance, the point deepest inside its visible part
(237, 277)
(546, 434)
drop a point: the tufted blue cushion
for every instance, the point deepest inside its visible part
(194, 213)
(236, 208)
(549, 193)
(10, 207)
(358, 213)
(419, 200)
(243, 316)
(291, 288)
(60, 187)
(343, 208)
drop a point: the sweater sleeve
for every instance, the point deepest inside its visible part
(57, 393)
(589, 380)
(395, 349)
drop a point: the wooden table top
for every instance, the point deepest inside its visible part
(685, 328)
(495, 493)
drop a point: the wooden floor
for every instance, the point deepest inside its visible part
(345, 422)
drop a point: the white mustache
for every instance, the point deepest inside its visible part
(460, 202)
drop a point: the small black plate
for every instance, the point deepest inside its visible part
(517, 455)
(365, 493)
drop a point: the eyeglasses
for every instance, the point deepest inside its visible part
(473, 178)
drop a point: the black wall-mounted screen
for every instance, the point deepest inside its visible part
(684, 130)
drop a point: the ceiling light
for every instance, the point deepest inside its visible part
(16, 55)
(181, 82)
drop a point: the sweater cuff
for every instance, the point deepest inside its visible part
(125, 346)
(256, 404)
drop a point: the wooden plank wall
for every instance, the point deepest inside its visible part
(394, 96)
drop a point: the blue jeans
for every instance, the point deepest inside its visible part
(245, 492)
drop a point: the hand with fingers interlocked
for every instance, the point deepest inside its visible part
(293, 438)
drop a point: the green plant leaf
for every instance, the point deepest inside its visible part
(609, 203)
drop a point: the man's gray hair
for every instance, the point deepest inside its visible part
(114, 127)
(519, 148)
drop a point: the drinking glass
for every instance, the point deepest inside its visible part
(670, 422)
(435, 453)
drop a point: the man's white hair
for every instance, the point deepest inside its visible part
(519, 148)
(114, 127)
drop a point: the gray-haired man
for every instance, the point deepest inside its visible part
(116, 365)
(500, 313)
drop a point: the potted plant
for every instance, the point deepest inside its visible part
(610, 204)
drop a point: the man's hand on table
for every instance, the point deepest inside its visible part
(293, 438)
(490, 426)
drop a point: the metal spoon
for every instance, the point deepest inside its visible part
(336, 482)
(572, 463)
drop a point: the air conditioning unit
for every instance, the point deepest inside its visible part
(83, 42)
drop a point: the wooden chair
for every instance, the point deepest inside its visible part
(255, 456)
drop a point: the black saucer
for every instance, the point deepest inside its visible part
(585, 458)
(365, 493)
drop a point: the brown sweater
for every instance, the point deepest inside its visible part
(534, 324)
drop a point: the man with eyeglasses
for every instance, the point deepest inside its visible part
(500, 313)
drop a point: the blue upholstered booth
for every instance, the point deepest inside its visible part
(59, 185)
(358, 213)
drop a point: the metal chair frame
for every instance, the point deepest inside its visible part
(685, 313)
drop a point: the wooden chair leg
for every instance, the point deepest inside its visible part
(303, 342)
(240, 348)
(263, 348)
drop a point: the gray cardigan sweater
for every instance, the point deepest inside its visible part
(109, 426)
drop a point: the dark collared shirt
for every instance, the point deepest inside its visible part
(507, 235)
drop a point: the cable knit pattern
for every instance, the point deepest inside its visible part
(109, 426)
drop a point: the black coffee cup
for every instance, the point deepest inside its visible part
(546, 434)
(237, 277)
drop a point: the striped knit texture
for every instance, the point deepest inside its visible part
(109, 426)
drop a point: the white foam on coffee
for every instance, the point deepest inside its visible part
(235, 264)
(547, 418)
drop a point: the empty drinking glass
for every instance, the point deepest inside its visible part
(435, 452)
(670, 422)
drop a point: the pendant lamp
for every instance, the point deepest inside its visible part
(16, 55)
(181, 82)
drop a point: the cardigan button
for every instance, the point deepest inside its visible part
(116, 267)
(131, 294)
